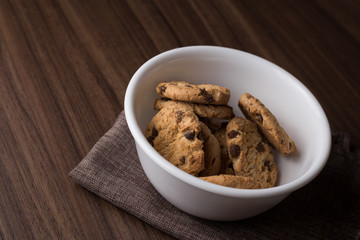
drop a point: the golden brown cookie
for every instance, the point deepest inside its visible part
(173, 132)
(232, 181)
(211, 151)
(251, 157)
(187, 92)
(267, 123)
(202, 110)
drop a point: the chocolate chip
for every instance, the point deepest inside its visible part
(268, 165)
(232, 134)
(200, 136)
(258, 117)
(182, 160)
(162, 89)
(208, 98)
(179, 116)
(234, 150)
(154, 132)
(190, 134)
(151, 140)
(189, 86)
(290, 145)
(260, 147)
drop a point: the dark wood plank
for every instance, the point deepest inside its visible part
(65, 65)
(50, 84)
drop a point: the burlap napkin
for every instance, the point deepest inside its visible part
(327, 208)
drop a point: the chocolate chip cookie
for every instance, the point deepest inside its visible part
(174, 133)
(203, 93)
(232, 181)
(202, 110)
(251, 157)
(211, 151)
(267, 123)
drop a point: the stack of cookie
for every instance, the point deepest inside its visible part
(230, 151)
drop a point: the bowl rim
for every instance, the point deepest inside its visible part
(140, 139)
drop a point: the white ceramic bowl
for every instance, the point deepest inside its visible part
(288, 99)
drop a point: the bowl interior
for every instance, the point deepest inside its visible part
(294, 106)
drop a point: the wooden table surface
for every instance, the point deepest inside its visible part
(65, 66)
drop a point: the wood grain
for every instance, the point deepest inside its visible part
(65, 65)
